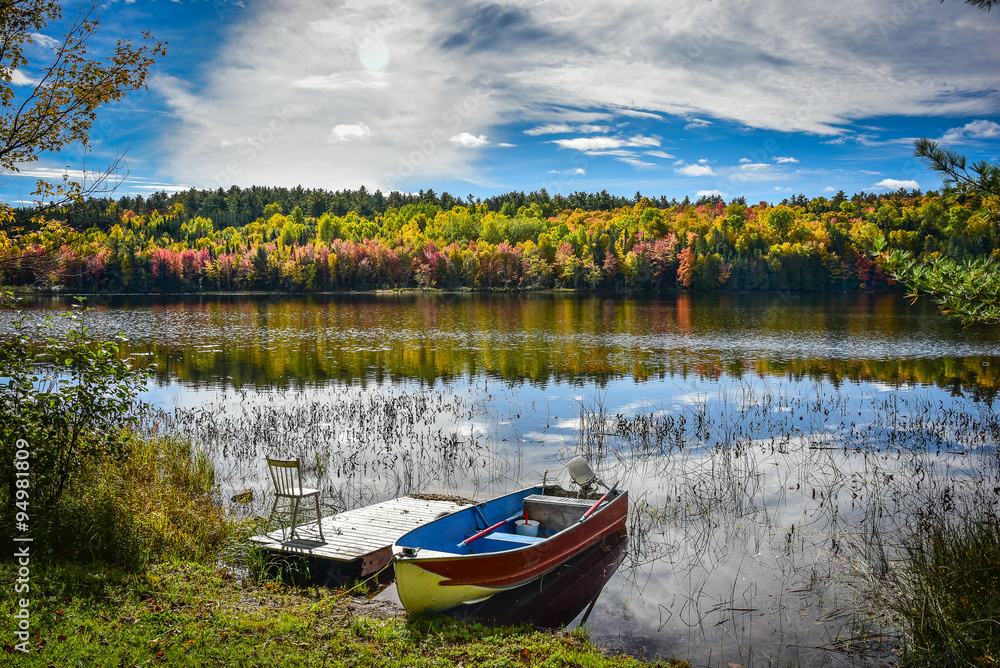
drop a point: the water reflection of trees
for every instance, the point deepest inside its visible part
(543, 339)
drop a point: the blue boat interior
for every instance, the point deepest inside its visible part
(451, 534)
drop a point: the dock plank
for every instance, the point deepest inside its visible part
(366, 534)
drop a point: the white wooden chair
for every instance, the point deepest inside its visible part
(289, 493)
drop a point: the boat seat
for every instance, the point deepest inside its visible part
(514, 538)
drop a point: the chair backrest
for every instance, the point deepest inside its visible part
(287, 475)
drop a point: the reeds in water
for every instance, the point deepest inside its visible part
(812, 499)
(362, 445)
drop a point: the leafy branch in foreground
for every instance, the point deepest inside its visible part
(70, 397)
(968, 290)
(50, 93)
(985, 5)
(981, 182)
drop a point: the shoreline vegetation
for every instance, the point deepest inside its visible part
(281, 240)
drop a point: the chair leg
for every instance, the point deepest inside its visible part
(274, 510)
(319, 519)
(295, 515)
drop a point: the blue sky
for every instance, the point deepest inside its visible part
(677, 98)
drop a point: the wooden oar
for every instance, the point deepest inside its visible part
(489, 530)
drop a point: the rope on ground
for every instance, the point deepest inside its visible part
(370, 577)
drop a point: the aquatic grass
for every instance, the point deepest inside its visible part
(362, 446)
(945, 593)
(808, 487)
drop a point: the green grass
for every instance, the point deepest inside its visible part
(183, 613)
(158, 501)
(947, 597)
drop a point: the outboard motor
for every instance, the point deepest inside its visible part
(583, 475)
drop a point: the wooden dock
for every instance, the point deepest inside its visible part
(360, 540)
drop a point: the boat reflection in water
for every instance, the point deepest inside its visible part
(557, 598)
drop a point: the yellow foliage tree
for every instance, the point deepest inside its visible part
(51, 103)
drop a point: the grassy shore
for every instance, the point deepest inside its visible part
(185, 613)
(143, 567)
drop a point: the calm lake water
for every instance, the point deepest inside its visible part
(773, 445)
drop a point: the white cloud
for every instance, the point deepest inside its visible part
(349, 132)
(744, 161)
(469, 140)
(152, 187)
(446, 73)
(579, 171)
(551, 129)
(639, 140)
(504, 144)
(341, 81)
(635, 162)
(979, 129)
(695, 170)
(44, 41)
(620, 152)
(18, 78)
(589, 143)
(118, 184)
(53, 173)
(661, 154)
(754, 166)
(564, 128)
(864, 139)
(781, 160)
(638, 114)
(697, 123)
(605, 143)
(711, 193)
(896, 184)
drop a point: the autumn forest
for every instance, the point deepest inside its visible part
(316, 240)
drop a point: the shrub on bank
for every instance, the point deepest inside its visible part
(84, 485)
(156, 501)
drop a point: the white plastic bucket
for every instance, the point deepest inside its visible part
(527, 527)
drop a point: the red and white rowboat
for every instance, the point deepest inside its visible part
(476, 552)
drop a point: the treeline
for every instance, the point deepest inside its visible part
(355, 240)
(239, 206)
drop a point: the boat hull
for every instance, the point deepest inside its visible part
(440, 581)
(558, 597)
